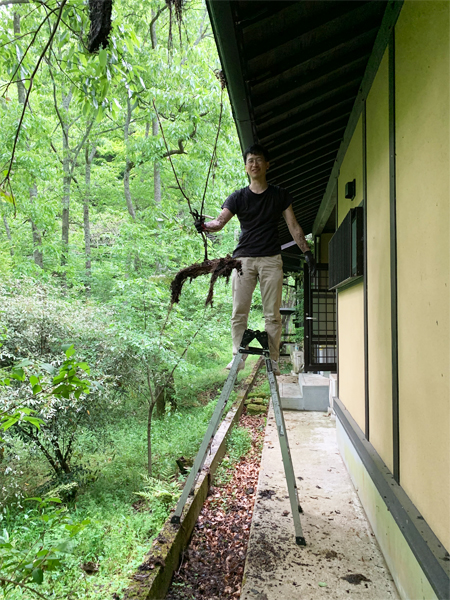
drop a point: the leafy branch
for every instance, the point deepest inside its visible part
(7, 179)
(12, 582)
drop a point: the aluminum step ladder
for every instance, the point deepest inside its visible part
(248, 337)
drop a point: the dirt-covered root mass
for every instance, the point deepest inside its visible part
(213, 566)
(100, 12)
(218, 267)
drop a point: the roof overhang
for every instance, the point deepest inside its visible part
(298, 73)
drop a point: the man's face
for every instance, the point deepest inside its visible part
(256, 166)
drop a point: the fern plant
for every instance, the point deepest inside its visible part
(166, 492)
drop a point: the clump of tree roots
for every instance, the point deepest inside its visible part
(100, 17)
(175, 7)
(218, 267)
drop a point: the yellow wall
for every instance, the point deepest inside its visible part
(351, 300)
(378, 265)
(351, 351)
(422, 135)
(351, 168)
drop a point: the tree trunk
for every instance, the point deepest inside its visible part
(156, 169)
(37, 239)
(155, 131)
(67, 180)
(149, 437)
(153, 30)
(8, 234)
(128, 165)
(89, 157)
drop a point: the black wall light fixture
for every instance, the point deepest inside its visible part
(350, 189)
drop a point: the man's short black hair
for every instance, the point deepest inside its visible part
(256, 149)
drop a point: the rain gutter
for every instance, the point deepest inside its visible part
(222, 22)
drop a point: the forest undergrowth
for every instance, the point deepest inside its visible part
(125, 507)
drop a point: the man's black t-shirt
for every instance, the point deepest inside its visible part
(258, 215)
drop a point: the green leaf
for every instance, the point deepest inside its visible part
(62, 390)
(34, 380)
(36, 389)
(134, 38)
(6, 195)
(99, 116)
(34, 421)
(52, 563)
(18, 374)
(129, 45)
(70, 351)
(102, 57)
(24, 363)
(66, 546)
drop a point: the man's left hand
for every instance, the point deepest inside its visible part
(311, 261)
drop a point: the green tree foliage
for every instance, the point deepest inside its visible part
(93, 227)
(105, 100)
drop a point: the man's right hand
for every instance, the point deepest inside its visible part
(199, 225)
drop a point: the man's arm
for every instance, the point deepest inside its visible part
(295, 229)
(219, 222)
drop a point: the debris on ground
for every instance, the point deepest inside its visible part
(218, 267)
(213, 566)
(355, 578)
(267, 494)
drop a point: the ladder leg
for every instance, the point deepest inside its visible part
(286, 454)
(210, 433)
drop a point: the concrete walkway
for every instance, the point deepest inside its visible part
(339, 540)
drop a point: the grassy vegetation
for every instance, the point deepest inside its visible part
(238, 444)
(123, 524)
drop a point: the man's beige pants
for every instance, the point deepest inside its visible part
(269, 271)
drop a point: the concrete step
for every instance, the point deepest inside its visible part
(307, 392)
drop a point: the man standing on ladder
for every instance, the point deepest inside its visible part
(259, 207)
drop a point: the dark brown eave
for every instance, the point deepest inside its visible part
(297, 73)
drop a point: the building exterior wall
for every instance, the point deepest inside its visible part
(422, 134)
(378, 265)
(351, 301)
(351, 168)
(422, 145)
(351, 351)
